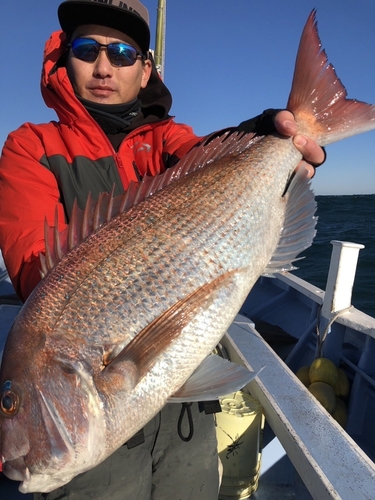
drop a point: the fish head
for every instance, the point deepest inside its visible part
(51, 421)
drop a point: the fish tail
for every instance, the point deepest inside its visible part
(318, 99)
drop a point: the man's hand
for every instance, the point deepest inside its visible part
(313, 154)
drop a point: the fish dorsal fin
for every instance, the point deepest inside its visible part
(96, 213)
(298, 229)
(213, 148)
(82, 224)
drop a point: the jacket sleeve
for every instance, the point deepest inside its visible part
(181, 138)
(28, 195)
(178, 140)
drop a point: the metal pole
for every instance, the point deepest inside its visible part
(160, 37)
(341, 276)
(338, 295)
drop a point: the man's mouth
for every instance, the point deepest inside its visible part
(101, 91)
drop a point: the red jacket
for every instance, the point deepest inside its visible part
(48, 165)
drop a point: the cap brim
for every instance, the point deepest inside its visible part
(74, 14)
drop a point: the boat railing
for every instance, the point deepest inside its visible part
(329, 462)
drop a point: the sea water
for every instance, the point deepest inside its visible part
(344, 218)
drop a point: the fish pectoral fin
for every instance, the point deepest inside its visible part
(214, 377)
(298, 229)
(143, 351)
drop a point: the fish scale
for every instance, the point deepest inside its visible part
(208, 256)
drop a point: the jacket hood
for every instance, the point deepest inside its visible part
(58, 92)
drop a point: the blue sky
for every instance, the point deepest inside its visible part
(225, 62)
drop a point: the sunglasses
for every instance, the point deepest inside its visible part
(118, 53)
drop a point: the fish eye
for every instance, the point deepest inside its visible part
(9, 404)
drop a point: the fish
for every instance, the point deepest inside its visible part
(140, 289)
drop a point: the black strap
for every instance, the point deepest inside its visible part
(186, 407)
(136, 440)
(210, 407)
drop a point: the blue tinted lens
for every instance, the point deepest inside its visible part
(85, 49)
(119, 53)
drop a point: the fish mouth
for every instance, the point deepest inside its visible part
(16, 470)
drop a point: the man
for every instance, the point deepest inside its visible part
(113, 128)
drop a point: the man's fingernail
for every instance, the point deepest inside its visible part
(289, 124)
(299, 140)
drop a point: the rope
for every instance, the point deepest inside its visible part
(321, 338)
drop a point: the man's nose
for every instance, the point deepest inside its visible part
(103, 67)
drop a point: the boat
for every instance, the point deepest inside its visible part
(304, 453)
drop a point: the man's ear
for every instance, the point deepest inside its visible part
(147, 68)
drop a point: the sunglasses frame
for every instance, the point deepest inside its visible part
(102, 46)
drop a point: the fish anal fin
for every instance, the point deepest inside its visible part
(299, 224)
(215, 377)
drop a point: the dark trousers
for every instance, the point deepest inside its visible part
(163, 467)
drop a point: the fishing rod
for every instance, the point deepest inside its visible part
(159, 53)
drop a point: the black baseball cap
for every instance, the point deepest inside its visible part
(130, 17)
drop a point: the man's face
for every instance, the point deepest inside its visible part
(101, 82)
